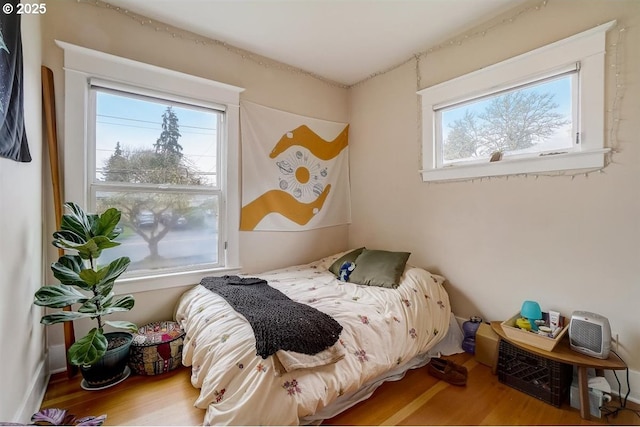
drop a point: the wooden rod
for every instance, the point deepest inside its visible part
(49, 106)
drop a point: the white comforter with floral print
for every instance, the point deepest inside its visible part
(382, 328)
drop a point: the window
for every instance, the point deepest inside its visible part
(162, 147)
(532, 118)
(157, 162)
(539, 112)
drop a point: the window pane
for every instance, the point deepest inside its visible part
(143, 140)
(531, 119)
(163, 230)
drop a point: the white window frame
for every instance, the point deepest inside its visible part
(96, 186)
(586, 48)
(81, 65)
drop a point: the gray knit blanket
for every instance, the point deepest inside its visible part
(278, 322)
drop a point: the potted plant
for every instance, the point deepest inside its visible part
(102, 357)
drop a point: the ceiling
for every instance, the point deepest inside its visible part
(345, 41)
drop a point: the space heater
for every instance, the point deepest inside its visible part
(590, 334)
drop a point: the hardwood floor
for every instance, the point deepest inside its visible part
(417, 399)
(140, 400)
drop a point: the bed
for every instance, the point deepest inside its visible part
(385, 331)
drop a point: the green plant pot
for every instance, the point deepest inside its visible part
(111, 368)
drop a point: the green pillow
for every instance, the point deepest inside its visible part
(379, 268)
(348, 257)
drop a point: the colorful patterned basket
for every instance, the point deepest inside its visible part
(156, 348)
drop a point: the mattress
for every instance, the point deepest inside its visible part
(384, 330)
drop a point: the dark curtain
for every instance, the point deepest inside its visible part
(13, 138)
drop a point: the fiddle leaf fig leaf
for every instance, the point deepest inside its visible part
(104, 242)
(63, 316)
(91, 277)
(89, 307)
(112, 271)
(124, 303)
(67, 271)
(121, 324)
(91, 249)
(77, 221)
(107, 224)
(89, 349)
(67, 235)
(105, 289)
(58, 296)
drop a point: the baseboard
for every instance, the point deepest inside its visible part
(57, 359)
(33, 400)
(634, 382)
(634, 378)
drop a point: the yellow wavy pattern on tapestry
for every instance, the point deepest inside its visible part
(278, 201)
(305, 137)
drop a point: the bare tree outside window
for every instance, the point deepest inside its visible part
(509, 122)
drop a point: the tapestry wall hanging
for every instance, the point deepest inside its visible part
(295, 171)
(13, 137)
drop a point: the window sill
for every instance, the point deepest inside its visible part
(139, 284)
(593, 159)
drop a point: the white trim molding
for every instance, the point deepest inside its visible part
(82, 65)
(586, 48)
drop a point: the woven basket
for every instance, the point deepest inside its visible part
(156, 348)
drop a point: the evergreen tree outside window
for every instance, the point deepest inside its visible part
(158, 161)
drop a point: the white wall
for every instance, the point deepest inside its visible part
(569, 244)
(268, 84)
(22, 353)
